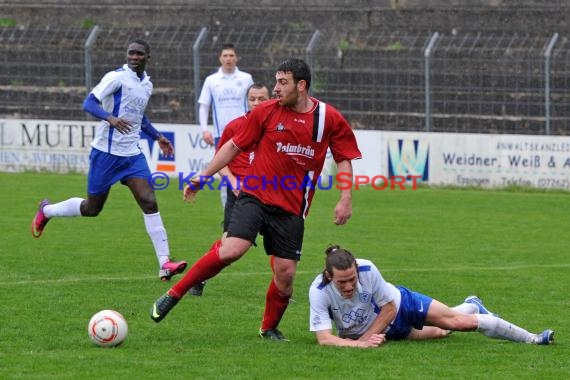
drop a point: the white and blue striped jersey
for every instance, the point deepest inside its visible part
(351, 317)
(226, 93)
(123, 94)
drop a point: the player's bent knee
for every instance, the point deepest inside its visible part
(284, 279)
(285, 269)
(230, 254)
(90, 213)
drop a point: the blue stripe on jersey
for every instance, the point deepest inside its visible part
(376, 307)
(117, 101)
(116, 107)
(364, 268)
(321, 286)
(215, 117)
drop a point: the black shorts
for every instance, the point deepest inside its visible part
(282, 231)
(230, 201)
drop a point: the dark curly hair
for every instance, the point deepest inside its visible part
(337, 258)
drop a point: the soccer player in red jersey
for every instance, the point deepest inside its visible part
(238, 168)
(291, 135)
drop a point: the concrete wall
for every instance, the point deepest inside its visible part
(38, 96)
(534, 16)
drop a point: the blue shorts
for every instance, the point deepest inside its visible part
(107, 169)
(412, 313)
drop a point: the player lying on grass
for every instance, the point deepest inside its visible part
(366, 311)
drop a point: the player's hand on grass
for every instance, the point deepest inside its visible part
(374, 341)
(377, 339)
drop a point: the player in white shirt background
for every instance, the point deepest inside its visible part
(225, 93)
(119, 100)
(352, 297)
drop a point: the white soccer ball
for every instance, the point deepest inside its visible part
(107, 328)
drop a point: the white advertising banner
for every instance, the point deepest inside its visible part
(433, 158)
(64, 146)
(479, 159)
(45, 145)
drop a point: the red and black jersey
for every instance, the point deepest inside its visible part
(290, 150)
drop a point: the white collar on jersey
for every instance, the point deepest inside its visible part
(145, 77)
(221, 72)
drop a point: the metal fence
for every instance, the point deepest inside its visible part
(392, 80)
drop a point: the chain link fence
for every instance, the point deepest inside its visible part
(391, 80)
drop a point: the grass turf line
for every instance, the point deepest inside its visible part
(508, 247)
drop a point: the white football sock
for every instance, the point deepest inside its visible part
(466, 308)
(498, 328)
(157, 233)
(70, 207)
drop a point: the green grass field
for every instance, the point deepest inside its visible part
(509, 247)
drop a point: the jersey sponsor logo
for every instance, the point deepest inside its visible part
(228, 97)
(357, 316)
(298, 149)
(408, 157)
(140, 102)
(229, 92)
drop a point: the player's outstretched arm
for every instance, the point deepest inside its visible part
(343, 209)
(327, 338)
(223, 157)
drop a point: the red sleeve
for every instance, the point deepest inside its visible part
(246, 138)
(343, 143)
